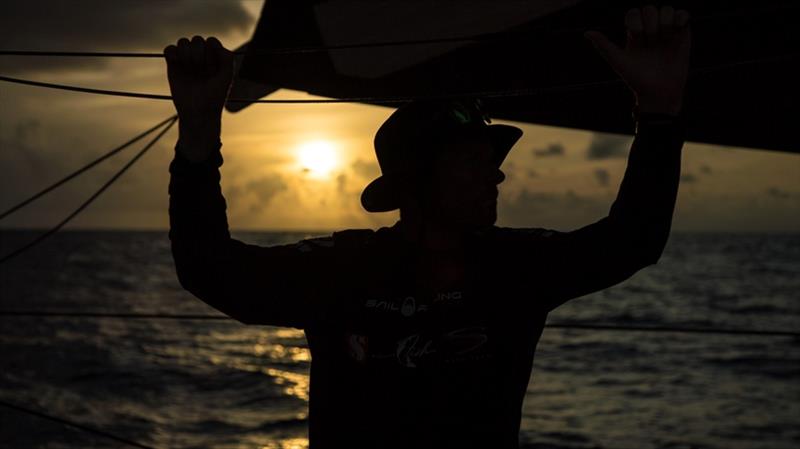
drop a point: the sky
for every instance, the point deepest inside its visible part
(299, 167)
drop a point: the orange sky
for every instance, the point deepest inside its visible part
(267, 179)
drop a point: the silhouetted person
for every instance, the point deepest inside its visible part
(423, 334)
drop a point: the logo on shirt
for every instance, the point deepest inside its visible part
(408, 306)
(451, 346)
(457, 345)
(357, 347)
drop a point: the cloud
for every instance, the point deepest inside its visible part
(26, 148)
(688, 178)
(554, 149)
(551, 209)
(25, 141)
(782, 194)
(264, 188)
(532, 173)
(368, 170)
(102, 25)
(232, 194)
(341, 183)
(705, 169)
(602, 176)
(604, 146)
(34, 154)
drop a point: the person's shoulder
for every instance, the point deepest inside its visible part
(352, 238)
(511, 234)
(338, 240)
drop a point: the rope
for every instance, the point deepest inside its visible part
(201, 317)
(149, 316)
(528, 33)
(702, 330)
(55, 229)
(387, 100)
(82, 169)
(401, 99)
(82, 427)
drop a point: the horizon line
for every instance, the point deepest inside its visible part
(331, 230)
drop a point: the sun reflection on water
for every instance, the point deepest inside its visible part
(281, 352)
(289, 443)
(294, 384)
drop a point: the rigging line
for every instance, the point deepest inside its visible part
(675, 329)
(149, 316)
(530, 32)
(82, 169)
(565, 325)
(402, 99)
(82, 427)
(388, 100)
(108, 183)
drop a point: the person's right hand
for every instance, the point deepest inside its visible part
(200, 73)
(655, 60)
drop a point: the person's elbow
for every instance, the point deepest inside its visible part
(651, 247)
(200, 275)
(650, 258)
(195, 280)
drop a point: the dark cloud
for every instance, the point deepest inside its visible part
(554, 149)
(24, 146)
(366, 169)
(265, 189)
(26, 141)
(533, 174)
(341, 183)
(102, 25)
(705, 169)
(688, 178)
(551, 208)
(35, 154)
(233, 193)
(781, 194)
(604, 146)
(602, 176)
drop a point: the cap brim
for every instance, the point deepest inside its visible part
(383, 193)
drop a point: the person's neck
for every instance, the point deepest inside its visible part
(432, 236)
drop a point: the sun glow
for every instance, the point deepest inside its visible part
(318, 158)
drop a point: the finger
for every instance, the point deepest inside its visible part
(610, 52)
(667, 18)
(171, 54)
(681, 18)
(226, 56)
(214, 42)
(211, 61)
(650, 20)
(183, 52)
(197, 53)
(633, 20)
(215, 50)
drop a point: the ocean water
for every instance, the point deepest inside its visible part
(192, 384)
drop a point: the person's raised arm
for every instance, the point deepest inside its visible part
(278, 285)
(654, 64)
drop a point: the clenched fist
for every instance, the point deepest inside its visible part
(200, 73)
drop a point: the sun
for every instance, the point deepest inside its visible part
(318, 158)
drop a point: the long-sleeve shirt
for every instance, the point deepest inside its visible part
(394, 364)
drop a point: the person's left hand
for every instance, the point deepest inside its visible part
(655, 61)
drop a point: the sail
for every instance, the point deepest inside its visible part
(530, 61)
